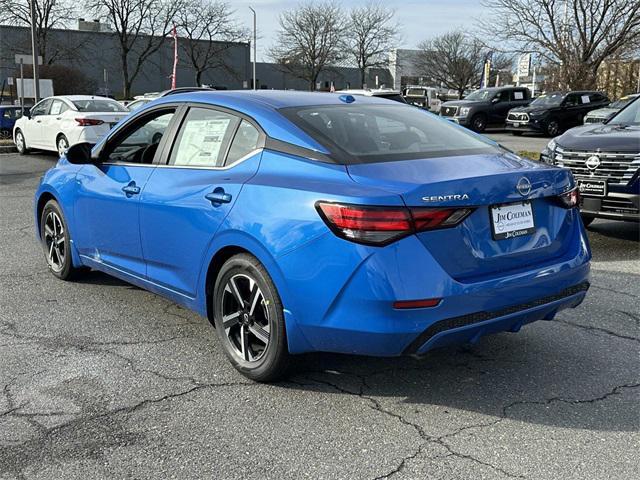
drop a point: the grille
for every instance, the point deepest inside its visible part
(449, 111)
(618, 205)
(593, 120)
(518, 117)
(616, 167)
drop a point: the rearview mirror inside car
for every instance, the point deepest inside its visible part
(80, 154)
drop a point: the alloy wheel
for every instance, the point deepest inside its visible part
(245, 318)
(54, 240)
(20, 145)
(553, 129)
(62, 145)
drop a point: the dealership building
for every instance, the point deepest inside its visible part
(87, 60)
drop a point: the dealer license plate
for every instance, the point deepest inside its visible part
(594, 188)
(512, 220)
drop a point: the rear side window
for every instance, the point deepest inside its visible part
(244, 142)
(203, 138)
(58, 107)
(379, 133)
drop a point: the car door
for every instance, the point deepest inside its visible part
(50, 123)
(571, 112)
(32, 126)
(185, 201)
(108, 193)
(500, 109)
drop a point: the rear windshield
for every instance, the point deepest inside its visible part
(95, 105)
(381, 133)
(416, 92)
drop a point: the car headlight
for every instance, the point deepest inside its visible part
(536, 113)
(464, 111)
(551, 146)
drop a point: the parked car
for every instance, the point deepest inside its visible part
(485, 107)
(8, 116)
(605, 160)
(300, 221)
(56, 123)
(603, 114)
(142, 100)
(555, 112)
(387, 93)
(423, 97)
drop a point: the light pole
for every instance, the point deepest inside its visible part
(34, 51)
(255, 36)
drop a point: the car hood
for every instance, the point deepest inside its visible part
(602, 137)
(530, 108)
(602, 112)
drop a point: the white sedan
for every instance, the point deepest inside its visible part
(56, 123)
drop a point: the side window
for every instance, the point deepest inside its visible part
(58, 107)
(203, 138)
(572, 100)
(140, 142)
(503, 96)
(244, 142)
(596, 97)
(41, 108)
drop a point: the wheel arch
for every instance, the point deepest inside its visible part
(41, 202)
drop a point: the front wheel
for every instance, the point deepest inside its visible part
(479, 122)
(249, 319)
(553, 128)
(62, 144)
(56, 241)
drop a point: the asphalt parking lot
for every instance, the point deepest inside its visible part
(99, 379)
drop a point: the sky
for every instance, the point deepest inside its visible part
(418, 20)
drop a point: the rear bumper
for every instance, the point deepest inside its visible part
(344, 303)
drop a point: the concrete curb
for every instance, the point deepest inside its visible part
(8, 149)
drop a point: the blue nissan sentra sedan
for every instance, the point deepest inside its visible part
(300, 222)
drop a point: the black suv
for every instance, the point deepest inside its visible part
(554, 112)
(605, 160)
(485, 107)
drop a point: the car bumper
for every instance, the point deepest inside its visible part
(615, 206)
(464, 121)
(530, 127)
(356, 315)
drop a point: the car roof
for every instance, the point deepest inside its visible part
(370, 93)
(81, 97)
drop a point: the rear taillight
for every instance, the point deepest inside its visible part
(570, 199)
(383, 225)
(88, 122)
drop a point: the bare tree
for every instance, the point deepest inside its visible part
(372, 33)
(208, 28)
(140, 26)
(49, 14)
(453, 60)
(309, 40)
(575, 35)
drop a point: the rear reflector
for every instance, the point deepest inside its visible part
(570, 199)
(430, 302)
(383, 225)
(88, 122)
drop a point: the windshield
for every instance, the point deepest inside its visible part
(550, 100)
(483, 94)
(381, 133)
(99, 105)
(628, 116)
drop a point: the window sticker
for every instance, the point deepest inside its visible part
(585, 99)
(518, 95)
(201, 141)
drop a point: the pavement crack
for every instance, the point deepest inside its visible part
(600, 329)
(613, 290)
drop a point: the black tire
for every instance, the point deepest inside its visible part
(587, 219)
(516, 134)
(62, 144)
(244, 338)
(479, 122)
(58, 259)
(21, 143)
(553, 128)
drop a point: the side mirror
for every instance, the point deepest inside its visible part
(27, 113)
(80, 154)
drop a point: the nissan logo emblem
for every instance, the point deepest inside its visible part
(524, 186)
(593, 162)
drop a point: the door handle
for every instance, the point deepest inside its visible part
(218, 197)
(131, 189)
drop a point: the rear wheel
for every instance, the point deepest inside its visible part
(587, 219)
(21, 143)
(249, 319)
(479, 122)
(62, 144)
(56, 242)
